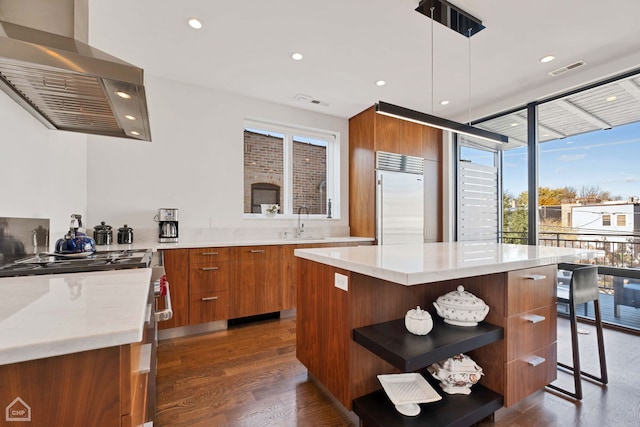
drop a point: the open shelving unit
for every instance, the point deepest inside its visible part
(408, 352)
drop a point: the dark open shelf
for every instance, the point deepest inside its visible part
(408, 352)
(375, 409)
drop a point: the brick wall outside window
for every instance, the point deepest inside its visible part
(263, 163)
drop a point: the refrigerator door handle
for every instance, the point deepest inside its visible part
(379, 210)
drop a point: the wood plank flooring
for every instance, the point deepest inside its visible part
(248, 375)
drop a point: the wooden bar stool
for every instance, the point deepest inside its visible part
(582, 289)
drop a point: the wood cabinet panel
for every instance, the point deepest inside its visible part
(362, 174)
(432, 144)
(208, 307)
(79, 389)
(531, 288)
(176, 264)
(200, 255)
(208, 277)
(525, 377)
(530, 330)
(410, 138)
(255, 281)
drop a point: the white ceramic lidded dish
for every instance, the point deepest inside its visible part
(418, 321)
(461, 308)
(456, 374)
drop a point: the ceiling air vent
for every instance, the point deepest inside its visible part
(566, 68)
(309, 99)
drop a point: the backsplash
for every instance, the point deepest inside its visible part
(21, 237)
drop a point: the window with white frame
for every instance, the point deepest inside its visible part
(621, 220)
(606, 220)
(295, 168)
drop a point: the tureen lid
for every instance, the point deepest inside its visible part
(461, 299)
(460, 363)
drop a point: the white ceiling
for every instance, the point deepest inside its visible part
(245, 47)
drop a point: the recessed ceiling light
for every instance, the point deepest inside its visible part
(134, 132)
(195, 23)
(547, 58)
(445, 102)
(296, 56)
(122, 94)
(611, 98)
(514, 124)
(129, 116)
(381, 83)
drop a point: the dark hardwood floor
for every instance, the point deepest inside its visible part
(248, 375)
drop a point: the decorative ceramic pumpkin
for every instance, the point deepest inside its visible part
(418, 321)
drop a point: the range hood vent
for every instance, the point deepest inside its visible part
(62, 81)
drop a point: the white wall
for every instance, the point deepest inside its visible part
(194, 163)
(43, 173)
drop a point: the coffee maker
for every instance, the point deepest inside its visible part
(167, 225)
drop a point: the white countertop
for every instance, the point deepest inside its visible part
(413, 264)
(184, 244)
(51, 315)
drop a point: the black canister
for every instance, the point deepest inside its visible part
(102, 234)
(125, 235)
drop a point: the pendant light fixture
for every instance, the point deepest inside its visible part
(458, 20)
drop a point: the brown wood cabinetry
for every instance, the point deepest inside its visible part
(100, 388)
(256, 286)
(522, 302)
(176, 265)
(220, 283)
(370, 132)
(208, 284)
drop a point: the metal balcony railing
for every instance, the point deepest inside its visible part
(618, 269)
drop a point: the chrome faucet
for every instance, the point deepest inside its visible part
(301, 224)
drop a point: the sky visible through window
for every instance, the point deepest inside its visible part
(607, 159)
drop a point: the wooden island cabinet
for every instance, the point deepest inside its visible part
(379, 284)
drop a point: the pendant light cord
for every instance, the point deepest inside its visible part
(469, 95)
(432, 77)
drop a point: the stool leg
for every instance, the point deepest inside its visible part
(575, 349)
(604, 377)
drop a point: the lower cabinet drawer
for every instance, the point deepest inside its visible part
(530, 373)
(208, 307)
(528, 331)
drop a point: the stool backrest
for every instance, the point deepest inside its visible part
(584, 284)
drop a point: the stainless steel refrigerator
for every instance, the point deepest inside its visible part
(399, 199)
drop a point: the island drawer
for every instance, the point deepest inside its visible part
(199, 255)
(530, 373)
(208, 277)
(208, 307)
(530, 288)
(530, 330)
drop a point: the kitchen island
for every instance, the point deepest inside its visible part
(343, 290)
(75, 348)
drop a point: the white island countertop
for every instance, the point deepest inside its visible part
(51, 315)
(413, 264)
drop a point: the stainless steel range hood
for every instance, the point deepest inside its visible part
(47, 67)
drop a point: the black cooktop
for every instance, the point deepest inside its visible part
(47, 263)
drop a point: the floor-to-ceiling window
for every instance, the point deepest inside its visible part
(588, 195)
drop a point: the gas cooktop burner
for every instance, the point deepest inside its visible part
(47, 263)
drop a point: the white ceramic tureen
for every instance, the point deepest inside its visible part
(461, 308)
(456, 374)
(418, 321)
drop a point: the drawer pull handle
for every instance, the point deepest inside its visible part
(209, 253)
(209, 298)
(536, 277)
(257, 251)
(533, 318)
(209, 268)
(535, 360)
